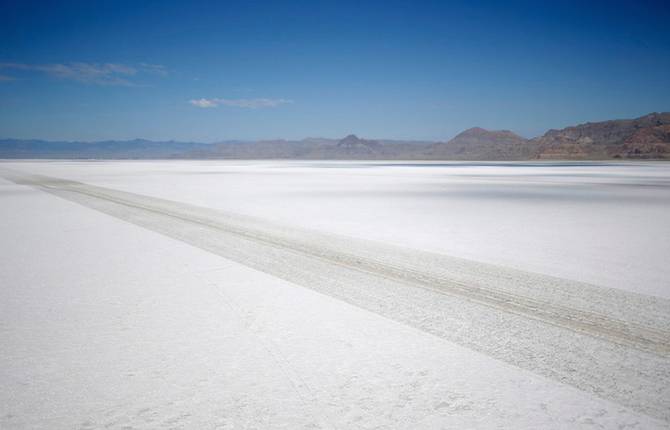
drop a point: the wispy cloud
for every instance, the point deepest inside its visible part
(240, 103)
(154, 68)
(89, 73)
(204, 103)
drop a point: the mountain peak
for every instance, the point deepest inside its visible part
(353, 142)
(351, 139)
(474, 131)
(478, 133)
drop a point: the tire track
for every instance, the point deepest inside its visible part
(623, 332)
(608, 342)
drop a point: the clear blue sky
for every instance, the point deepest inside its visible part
(209, 71)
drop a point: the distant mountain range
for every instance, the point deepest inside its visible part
(647, 137)
(112, 149)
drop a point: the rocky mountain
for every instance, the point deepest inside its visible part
(350, 147)
(352, 142)
(480, 144)
(647, 137)
(644, 137)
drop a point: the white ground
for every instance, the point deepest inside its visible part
(605, 224)
(104, 323)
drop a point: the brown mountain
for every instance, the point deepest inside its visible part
(353, 145)
(480, 144)
(352, 141)
(644, 137)
(647, 137)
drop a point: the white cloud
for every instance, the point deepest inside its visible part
(89, 73)
(241, 103)
(203, 103)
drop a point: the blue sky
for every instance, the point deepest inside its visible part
(210, 71)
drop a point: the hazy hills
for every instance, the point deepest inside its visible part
(480, 144)
(647, 137)
(113, 149)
